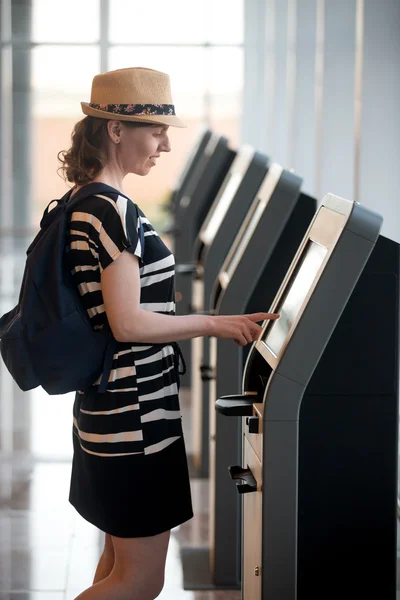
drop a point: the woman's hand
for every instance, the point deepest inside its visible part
(243, 329)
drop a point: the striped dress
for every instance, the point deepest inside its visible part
(127, 440)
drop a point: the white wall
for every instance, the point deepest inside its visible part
(304, 140)
(254, 117)
(336, 148)
(280, 119)
(326, 78)
(379, 177)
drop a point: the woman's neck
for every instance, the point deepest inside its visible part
(108, 177)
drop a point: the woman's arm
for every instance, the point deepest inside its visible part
(120, 283)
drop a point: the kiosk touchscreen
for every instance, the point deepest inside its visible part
(204, 179)
(320, 413)
(262, 251)
(292, 300)
(215, 238)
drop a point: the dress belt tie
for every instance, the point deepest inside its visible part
(178, 357)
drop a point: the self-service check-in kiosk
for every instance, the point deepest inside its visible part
(251, 274)
(200, 186)
(319, 404)
(215, 238)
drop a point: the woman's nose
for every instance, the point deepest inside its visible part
(166, 145)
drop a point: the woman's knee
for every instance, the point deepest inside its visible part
(157, 585)
(140, 564)
(136, 584)
(154, 586)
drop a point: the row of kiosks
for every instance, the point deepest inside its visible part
(175, 206)
(250, 275)
(216, 236)
(319, 409)
(200, 180)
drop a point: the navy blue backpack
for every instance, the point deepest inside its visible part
(48, 339)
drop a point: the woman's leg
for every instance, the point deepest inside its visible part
(138, 572)
(106, 562)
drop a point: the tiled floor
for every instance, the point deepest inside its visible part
(47, 551)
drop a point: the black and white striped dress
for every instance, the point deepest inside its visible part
(129, 473)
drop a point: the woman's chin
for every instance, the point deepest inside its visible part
(142, 172)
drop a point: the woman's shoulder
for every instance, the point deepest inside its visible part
(119, 201)
(102, 205)
(109, 210)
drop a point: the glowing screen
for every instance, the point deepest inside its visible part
(294, 296)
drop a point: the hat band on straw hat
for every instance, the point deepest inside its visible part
(136, 109)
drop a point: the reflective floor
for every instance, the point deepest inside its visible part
(47, 551)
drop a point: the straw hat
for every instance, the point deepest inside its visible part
(134, 94)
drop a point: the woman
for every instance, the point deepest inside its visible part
(129, 474)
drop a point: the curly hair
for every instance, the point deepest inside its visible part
(87, 155)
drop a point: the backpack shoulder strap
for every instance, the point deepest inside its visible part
(90, 189)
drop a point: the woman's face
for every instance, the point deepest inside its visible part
(140, 147)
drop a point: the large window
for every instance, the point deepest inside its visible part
(200, 45)
(61, 79)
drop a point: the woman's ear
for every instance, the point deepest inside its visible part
(114, 131)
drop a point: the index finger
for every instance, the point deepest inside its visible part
(261, 316)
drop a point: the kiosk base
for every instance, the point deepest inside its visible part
(197, 573)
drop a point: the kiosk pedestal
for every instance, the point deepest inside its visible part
(213, 243)
(201, 186)
(262, 251)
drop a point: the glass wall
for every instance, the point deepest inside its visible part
(200, 45)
